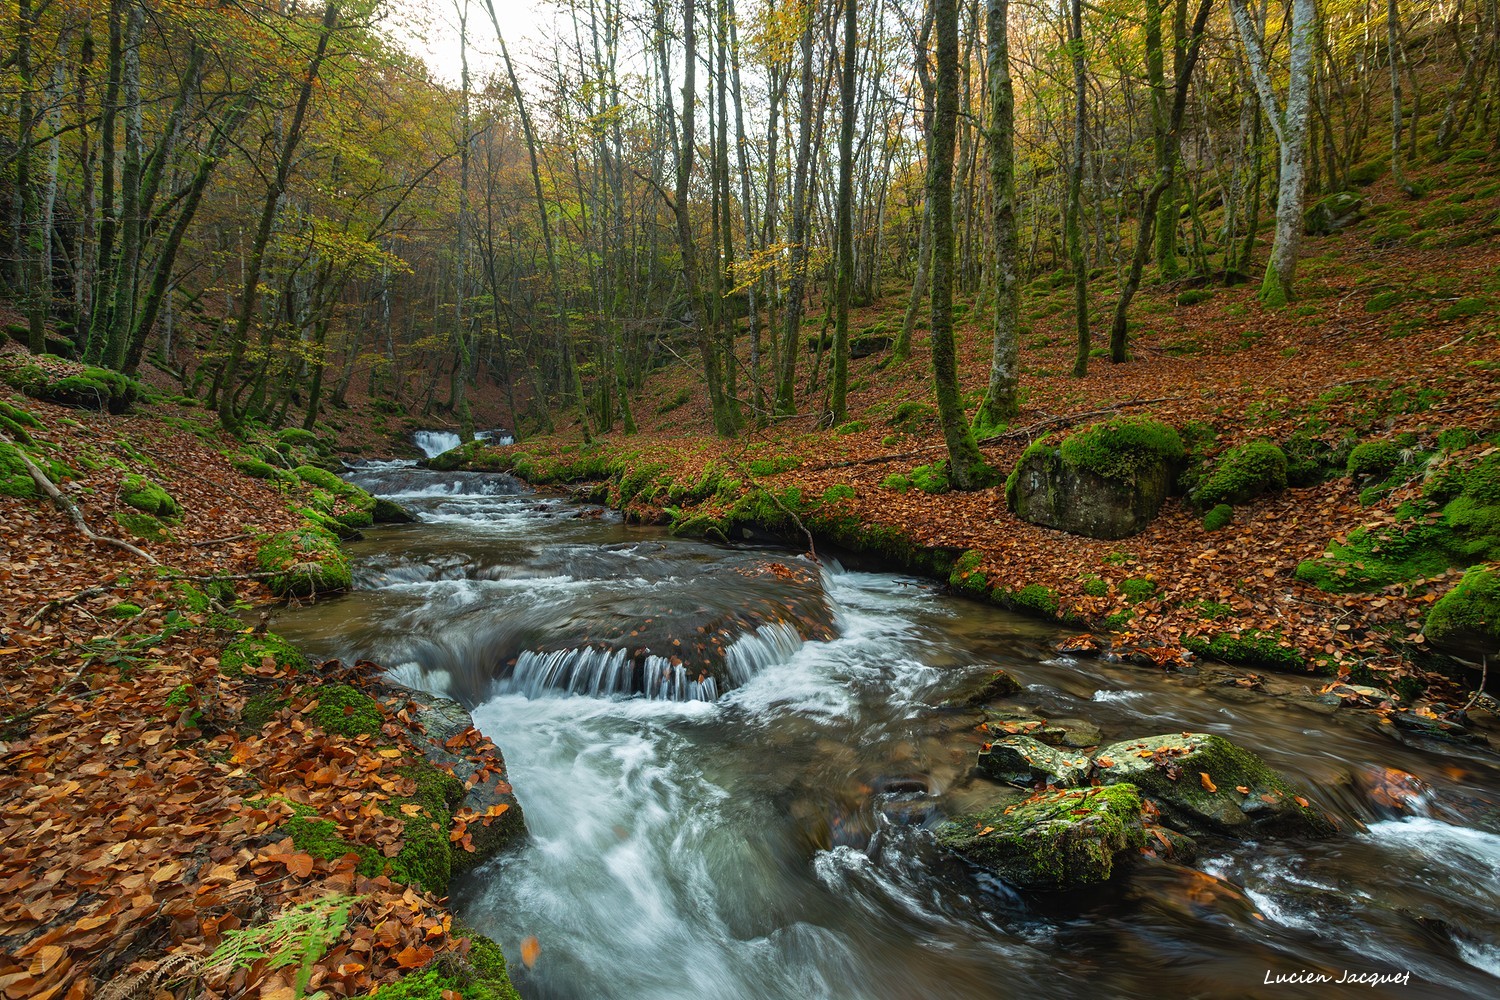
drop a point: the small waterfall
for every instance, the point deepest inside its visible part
(434, 443)
(764, 647)
(603, 673)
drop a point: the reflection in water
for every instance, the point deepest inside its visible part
(772, 843)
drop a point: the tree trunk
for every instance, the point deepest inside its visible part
(1073, 226)
(786, 387)
(966, 468)
(839, 407)
(1164, 181)
(1000, 402)
(1291, 138)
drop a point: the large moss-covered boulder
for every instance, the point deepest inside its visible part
(1024, 762)
(1053, 840)
(1466, 620)
(1204, 784)
(1107, 480)
(349, 505)
(390, 512)
(304, 562)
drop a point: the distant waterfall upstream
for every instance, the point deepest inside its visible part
(433, 443)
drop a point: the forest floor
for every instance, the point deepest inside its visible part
(143, 813)
(1395, 336)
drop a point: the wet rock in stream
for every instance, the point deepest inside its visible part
(1025, 762)
(1204, 784)
(1057, 839)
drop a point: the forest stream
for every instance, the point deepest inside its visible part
(763, 830)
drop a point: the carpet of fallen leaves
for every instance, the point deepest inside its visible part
(132, 828)
(1246, 371)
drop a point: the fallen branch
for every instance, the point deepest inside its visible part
(65, 504)
(1484, 675)
(57, 604)
(224, 540)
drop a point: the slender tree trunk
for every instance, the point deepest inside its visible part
(1074, 233)
(786, 385)
(1393, 48)
(966, 469)
(104, 266)
(1001, 402)
(229, 415)
(839, 407)
(32, 242)
(1291, 138)
(1165, 170)
(725, 423)
(924, 233)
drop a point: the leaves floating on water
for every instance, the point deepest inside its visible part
(531, 950)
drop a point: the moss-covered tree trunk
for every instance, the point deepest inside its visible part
(966, 466)
(1000, 402)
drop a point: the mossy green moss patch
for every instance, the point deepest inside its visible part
(344, 710)
(304, 562)
(1373, 459)
(144, 495)
(1467, 618)
(483, 975)
(255, 650)
(1244, 472)
(1054, 840)
(1121, 448)
(425, 858)
(1220, 516)
(1251, 648)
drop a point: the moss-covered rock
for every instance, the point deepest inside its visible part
(1054, 840)
(1107, 480)
(1203, 784)
(1218, 517)
(482, 975)
(144, 495)
(16, 480)
(1457, 523)
(1466, 620)
(256, 650)
(345, 711)
(1026, 762)
(304, 562)
(1244, 472)
(987, 688)
(17, 423)
(1250, 648)
(67, 383)
(256, 469)
(1334, 212)
(143, 526)
(1373, 459)
(389, 512)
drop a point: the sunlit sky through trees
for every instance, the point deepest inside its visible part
(429, 28)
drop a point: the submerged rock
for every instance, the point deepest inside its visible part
(1053, 840)
(1204, 784)
(1025, 762)
(989, 687)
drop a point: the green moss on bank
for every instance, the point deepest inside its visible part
(304, 562)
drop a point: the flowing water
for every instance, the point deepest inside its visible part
(434, 443)
(763, 832)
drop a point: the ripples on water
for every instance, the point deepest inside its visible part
(772, 844)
